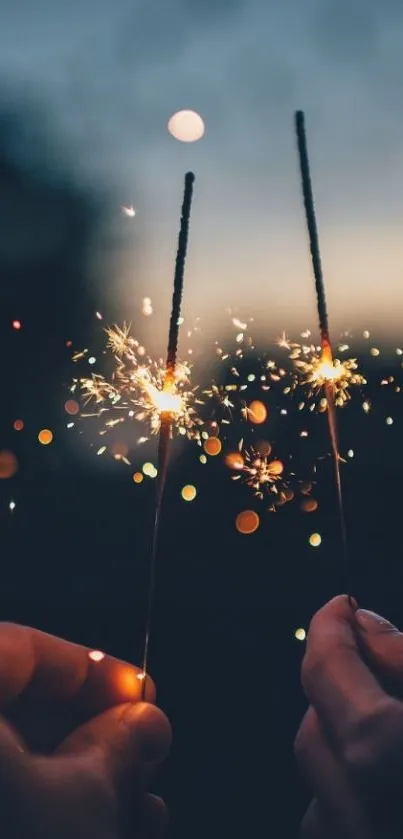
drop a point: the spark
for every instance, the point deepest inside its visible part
(138, 390)
(129, 211)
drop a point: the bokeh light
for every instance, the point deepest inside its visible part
(212, 446)
(17, 324)
(18, 425)
(71, 407)
(119, 449)
(309, 505)
(234, 460)
(186, 126)
(8, 464)
(257, 412)
(150, 470)
(189, 492)
(45, 436)
(247, 522)
(300, 634)
(315, 540)
(96, 655)
(138, 478)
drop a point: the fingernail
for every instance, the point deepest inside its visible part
(372, 622)
(153, 732)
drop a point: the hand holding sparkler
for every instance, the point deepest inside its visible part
(352, 674)
(77, 747)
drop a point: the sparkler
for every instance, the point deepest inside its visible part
(325, 370)
(168, 404)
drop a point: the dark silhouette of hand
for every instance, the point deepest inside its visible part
(350, 743)
(77, 747)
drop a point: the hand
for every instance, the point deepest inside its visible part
(350, 743)
(76, 753)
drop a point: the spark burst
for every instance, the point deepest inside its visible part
(136, 389)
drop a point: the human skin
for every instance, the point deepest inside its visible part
(350, 743)
(78, 748)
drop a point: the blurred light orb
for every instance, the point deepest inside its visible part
(203, 459)
(17, 324)
(148, 469)
(71, 407)
(234, 460)
(189, 492)
(12, 505)
(45, 437)
(119, 449)
(186, 126)
(212, 446)
(300, 634)
(257, 412)
(350, 453)
(315, 540)
(18, 425)
(247, 522)
(96, 655)
(263, 447)
(138, 478)
(276, 467)
(309, 505)
(8, 464)
(389, 420)
(374, 351)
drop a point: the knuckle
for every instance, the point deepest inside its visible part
(373, 739)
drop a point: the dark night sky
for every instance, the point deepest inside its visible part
(87, 135)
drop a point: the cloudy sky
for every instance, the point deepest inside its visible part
(110, 74)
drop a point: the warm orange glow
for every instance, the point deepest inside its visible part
(276, 467)
(18, 425)
(96, 655)
(138, 478)
(234, 460)
(263, 447)
(71, 407)
(8, 464)
(45, 437)
(309, 505)
(127, 680)
(212, 446)
(17, 324)
(189, 492)
(315, 540)
(119, 449)
(247, 522)
(257, 412)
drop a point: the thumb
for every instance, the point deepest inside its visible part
(132, 739)
(383, 644)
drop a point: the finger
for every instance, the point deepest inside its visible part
(156, 817)
(311, 827)
(130, 741)
(335, 678)
(44, 668)
(340, 811)
(383, 646)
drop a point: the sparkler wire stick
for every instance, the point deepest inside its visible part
(326, 346)
(165, 433)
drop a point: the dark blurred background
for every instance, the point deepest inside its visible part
(74, 550)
